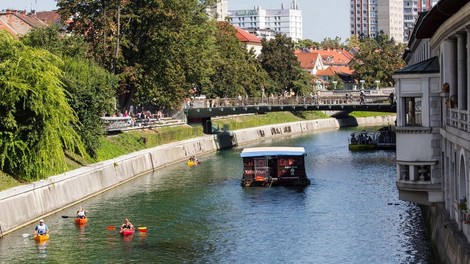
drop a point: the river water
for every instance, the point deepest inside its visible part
(349, 214)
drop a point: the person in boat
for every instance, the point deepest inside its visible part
(81, 213)
(193, 159)
(126, 225)
(41, 229)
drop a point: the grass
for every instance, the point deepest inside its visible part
(124, 143)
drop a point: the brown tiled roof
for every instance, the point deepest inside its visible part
(49, 17)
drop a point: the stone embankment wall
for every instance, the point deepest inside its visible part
(25, 204)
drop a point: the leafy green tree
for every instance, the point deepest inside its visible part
(377, 59)
(306, 44)
(329, 43)
(279, 60)
(36, 122)
(92, 89)
(159, 49)
(338, 80)
(237, 71)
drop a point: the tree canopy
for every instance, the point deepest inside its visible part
(36, 121)
(377, 59)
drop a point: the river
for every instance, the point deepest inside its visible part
(349, 214)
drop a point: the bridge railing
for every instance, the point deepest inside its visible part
(281, 100)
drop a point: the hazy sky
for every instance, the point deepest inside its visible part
(321, 18)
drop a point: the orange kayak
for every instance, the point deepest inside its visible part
(81, 221)
(40, 238)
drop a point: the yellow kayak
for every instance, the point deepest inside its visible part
(192, 163)
(40, 238)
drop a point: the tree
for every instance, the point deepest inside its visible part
(306, 44)
(237, 71)
(36, 122)
(279, 60)
(329, 43)
(159, 49)
(377, 59)
(91, 88)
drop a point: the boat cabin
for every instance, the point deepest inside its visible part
(266, 166)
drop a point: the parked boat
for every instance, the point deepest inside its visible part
(41, 238)
(362, 140)
(266, 166)
(80, 221)
(127, 231)
(386, 138)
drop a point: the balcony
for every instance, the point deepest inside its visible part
(416, 184)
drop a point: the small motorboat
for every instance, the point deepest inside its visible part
(80, 221)
(41, 238)
(127, 231)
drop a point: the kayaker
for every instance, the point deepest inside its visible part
(41, 229)
(81, 213)
(126, 225)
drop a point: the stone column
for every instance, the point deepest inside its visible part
(461, 71)
(449, 65)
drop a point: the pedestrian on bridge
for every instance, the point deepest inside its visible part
(362, 98)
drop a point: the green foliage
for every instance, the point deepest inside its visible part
(92, 92)
(237, 71)
(115, 146)
(377, 59)
(36, 121)
(329, 43)
(306, 44)
(6, 181)
(279, 60)
(368, 114)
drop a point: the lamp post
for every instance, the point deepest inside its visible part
(362, 84)
(377, 82)
(318, 85)
(334, 84)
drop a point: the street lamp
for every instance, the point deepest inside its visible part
(318, 85)
(362, 84)
(377, 82)
(334, 84)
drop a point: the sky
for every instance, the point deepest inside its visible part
(321, 18)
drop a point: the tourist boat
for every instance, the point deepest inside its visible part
(362, 140)
(41, 238)
(386, 138)
(127, 232)
(266, 166)
(80, 221)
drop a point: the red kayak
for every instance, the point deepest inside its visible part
(127, 231)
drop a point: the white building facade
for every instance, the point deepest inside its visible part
(219, 11)
(285, 21)
(433, 125)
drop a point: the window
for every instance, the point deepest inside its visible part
(413, 115)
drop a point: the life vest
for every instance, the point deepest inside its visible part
(41, 229)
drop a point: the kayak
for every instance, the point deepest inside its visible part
(40, 238)
(192, 163)
(127, 232)
(80, 221)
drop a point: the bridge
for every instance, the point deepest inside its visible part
(200, 110)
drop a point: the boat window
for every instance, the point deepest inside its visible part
(413, 115)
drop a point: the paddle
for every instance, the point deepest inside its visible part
(67, 216)
(142, 229)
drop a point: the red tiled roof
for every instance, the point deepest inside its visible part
(245, 36)
(307, 60)
(332, 56)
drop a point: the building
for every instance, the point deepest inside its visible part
(369, 17)
(251, 41)
(19, 23)
(411, 10)
(219, 11)
(284, 21)
(326, 63)
(433, 126)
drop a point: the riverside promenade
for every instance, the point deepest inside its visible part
(27, 203)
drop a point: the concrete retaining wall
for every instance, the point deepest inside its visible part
(25, 204)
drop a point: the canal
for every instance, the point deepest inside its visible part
(349, 214)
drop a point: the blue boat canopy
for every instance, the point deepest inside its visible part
(272, 151)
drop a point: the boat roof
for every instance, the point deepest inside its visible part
(272, 151)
